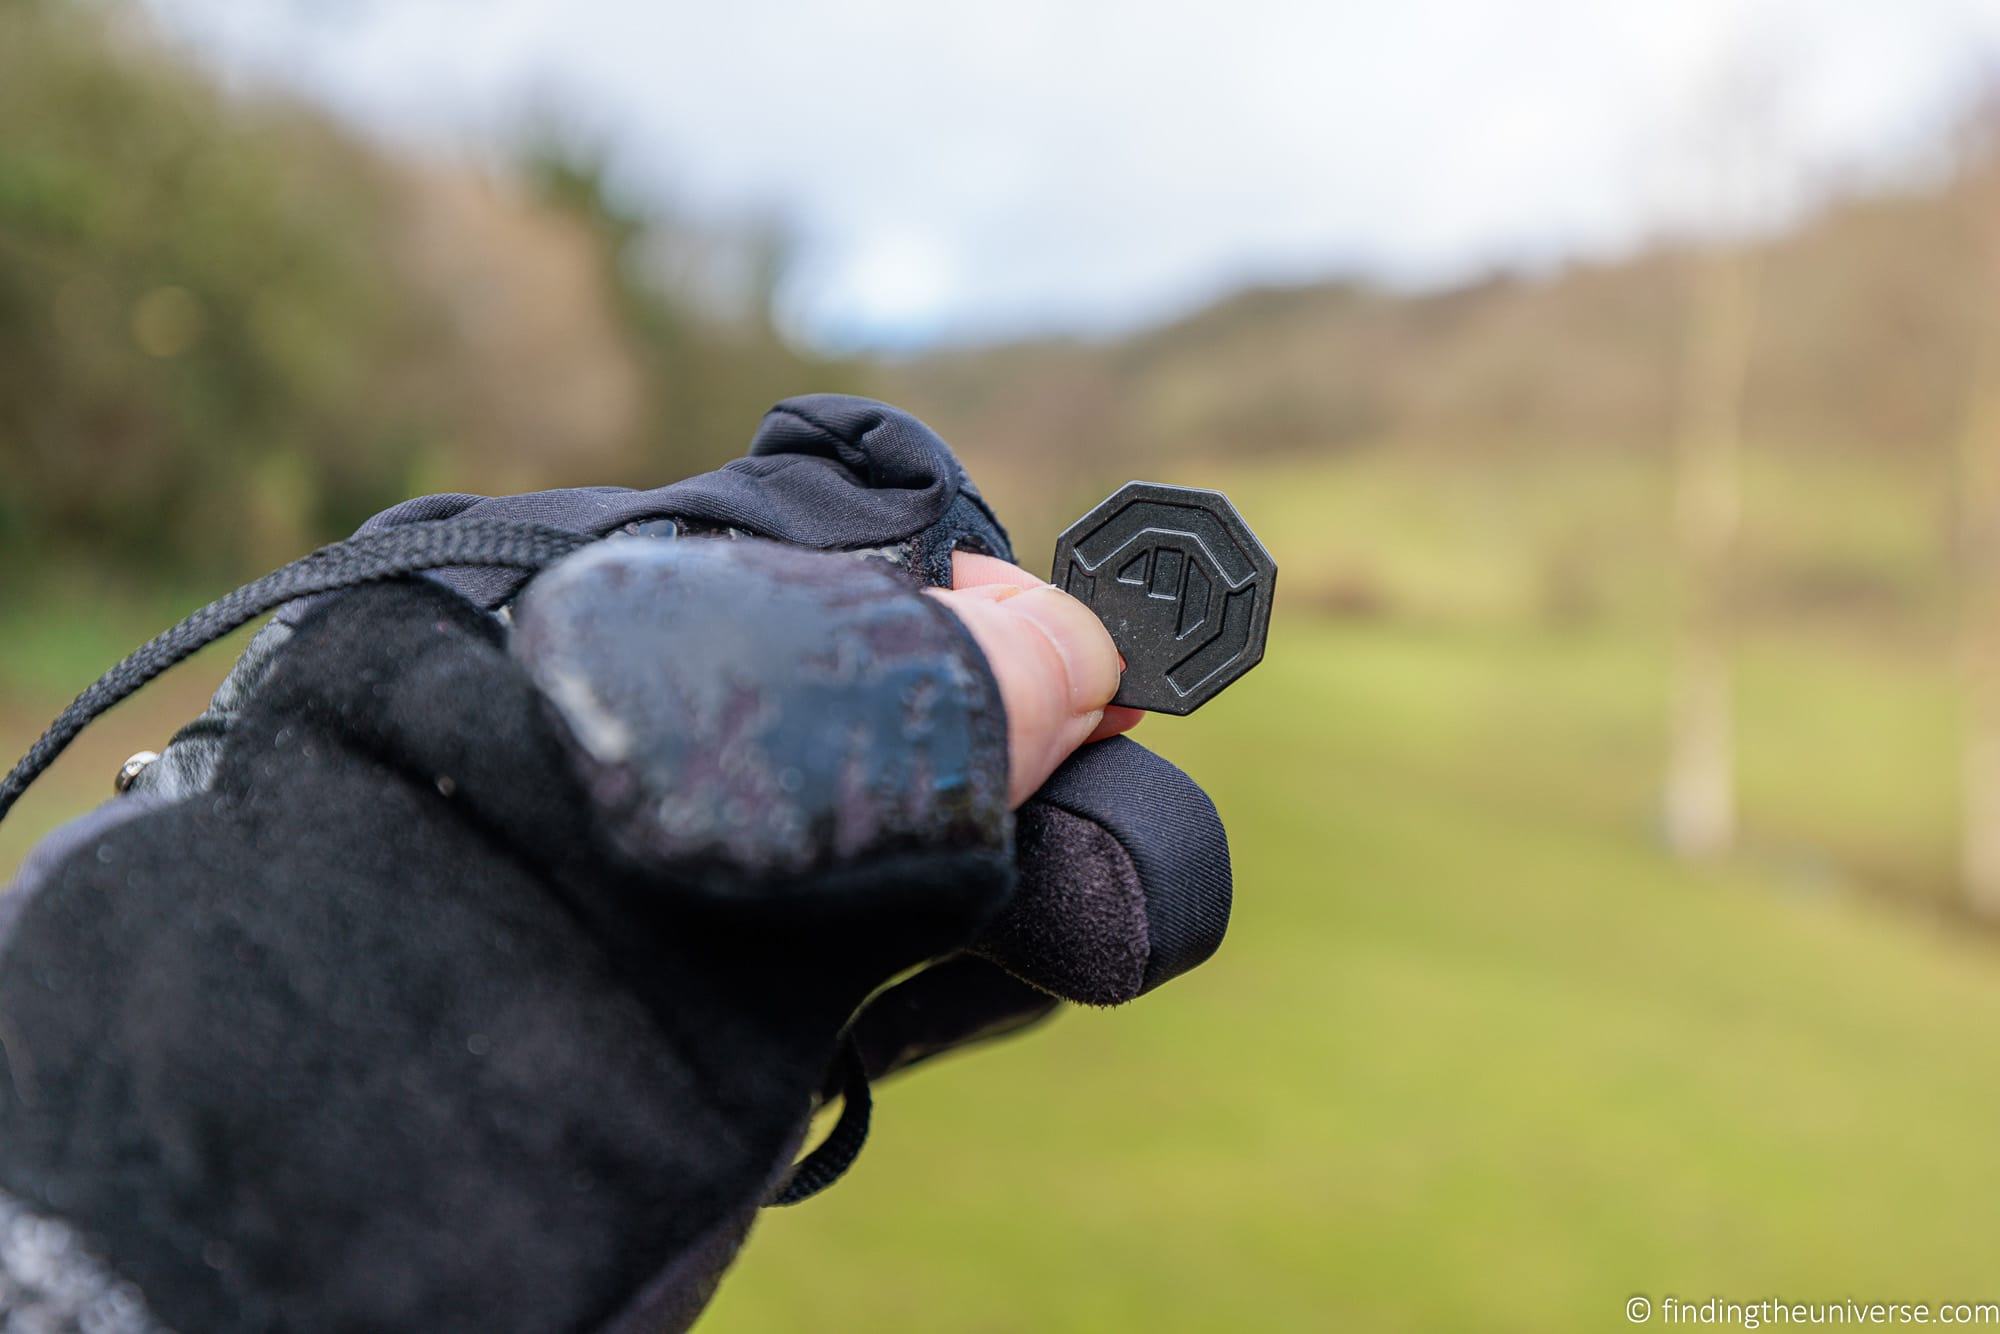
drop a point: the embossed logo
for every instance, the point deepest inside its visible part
(1181, 583)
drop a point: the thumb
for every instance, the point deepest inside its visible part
(1056, 666)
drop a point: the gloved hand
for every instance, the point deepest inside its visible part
(457, 975)
(1124, 865)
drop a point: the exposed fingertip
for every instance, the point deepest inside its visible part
(986, 592)
(1090, 660)
(1115, 721)
(969, 569)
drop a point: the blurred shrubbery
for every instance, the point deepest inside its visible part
(228, 330)
(203, 338)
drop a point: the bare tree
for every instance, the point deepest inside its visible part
(1722, 283)
(1700, 812)
(1978, 511)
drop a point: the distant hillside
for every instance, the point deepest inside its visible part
(230, 328)
(1863, 324)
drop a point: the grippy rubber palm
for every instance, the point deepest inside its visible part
(1124, 873)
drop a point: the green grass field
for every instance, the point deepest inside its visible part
(1477, 1055)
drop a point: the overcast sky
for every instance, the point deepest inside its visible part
(978, 170)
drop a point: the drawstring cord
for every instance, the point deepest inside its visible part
(832, 1156)
(405, 549)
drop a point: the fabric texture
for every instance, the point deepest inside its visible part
(382, 1032)
(1178, 848)
(824, 471)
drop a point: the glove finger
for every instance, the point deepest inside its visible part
(1124, 878)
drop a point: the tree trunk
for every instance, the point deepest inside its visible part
(1979, 647)
(1700, 798)
(1978, 546)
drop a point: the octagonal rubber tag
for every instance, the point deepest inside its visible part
(1181, 583)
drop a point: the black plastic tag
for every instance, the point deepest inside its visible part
(1181, 583)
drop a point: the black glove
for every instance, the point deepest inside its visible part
(451, 977)
(1124, 864)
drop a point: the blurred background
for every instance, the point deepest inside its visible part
(1617, 814)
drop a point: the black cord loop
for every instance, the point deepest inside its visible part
(831, 1158)
(392, 552)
